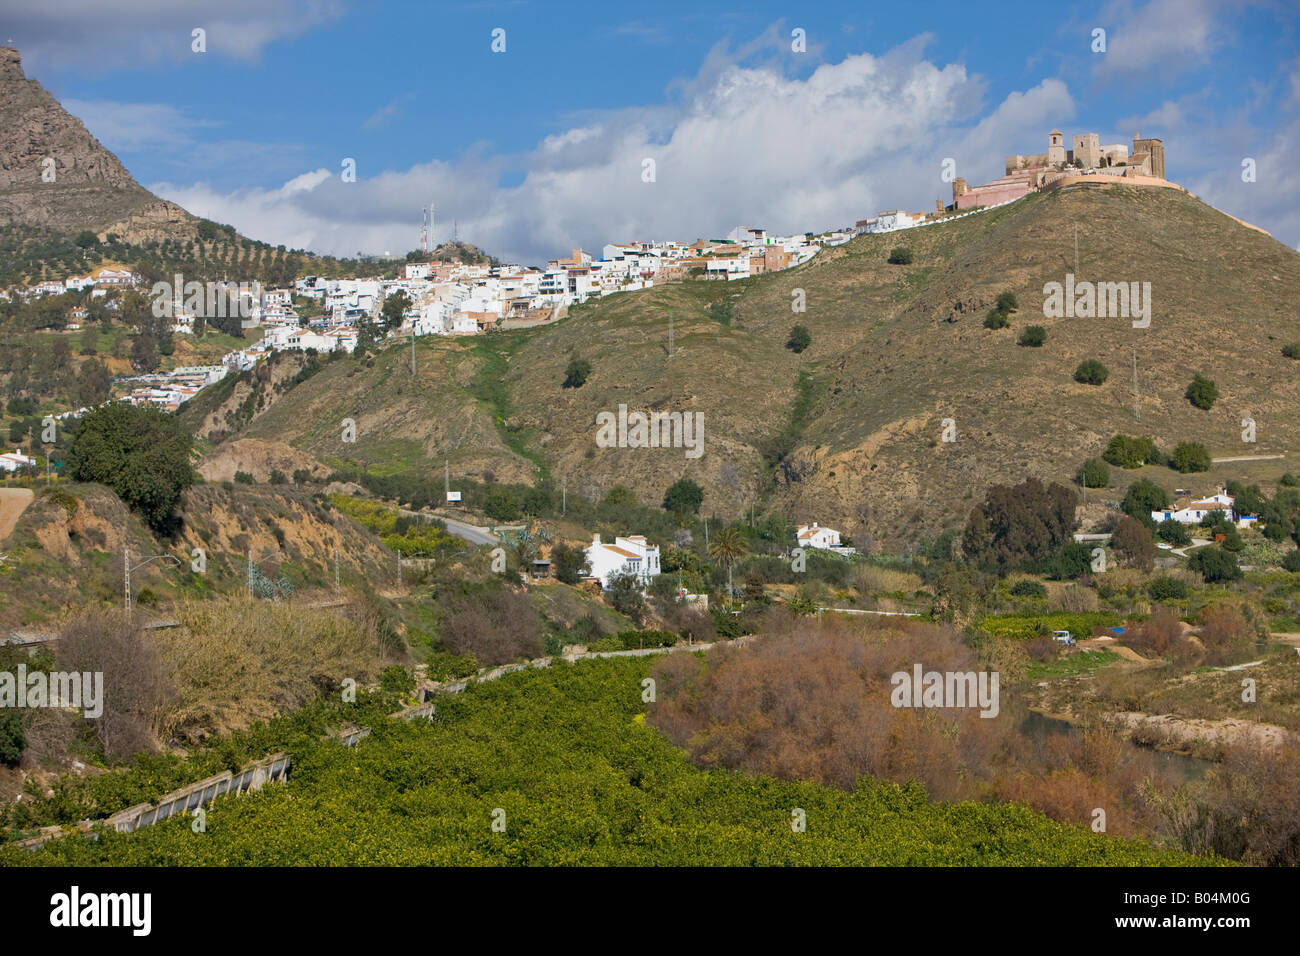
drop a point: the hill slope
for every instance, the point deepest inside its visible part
(849, 432)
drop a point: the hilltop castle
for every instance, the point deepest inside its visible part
(1024, 174)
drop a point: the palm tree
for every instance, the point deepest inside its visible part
(729, 545)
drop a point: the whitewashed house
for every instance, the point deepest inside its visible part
(630, 555)
(17, 460)
(815, 536)
(1192, 512)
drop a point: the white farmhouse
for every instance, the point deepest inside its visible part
(1192, 512)
(12, 463)
(814, 536)
(630, 555)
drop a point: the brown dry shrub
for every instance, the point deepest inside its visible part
(137, 688)
(498, 627)
(811, 701)
(1160, 635)
(1225, 633)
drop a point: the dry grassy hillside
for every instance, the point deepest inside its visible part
(849, 431)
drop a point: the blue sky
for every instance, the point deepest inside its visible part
(540, 148)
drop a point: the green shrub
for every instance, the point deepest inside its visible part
(900, 256)
(634, 640)
(800, 339)
(243, 478)
(1033, 336)
(1167, 589)
(1091, 372)
(1007, 302)
(1202, 392)
(996, 319)
(1093, 473)
(1190, 456)
(577, 373)
(1027, 587)
(1291, 350)
(1126, 451)
(1215, 564)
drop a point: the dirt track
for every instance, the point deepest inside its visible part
(13, 502)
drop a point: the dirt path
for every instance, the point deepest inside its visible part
(1108, 644)
(13, 502)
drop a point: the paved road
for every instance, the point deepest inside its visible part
(466, 532)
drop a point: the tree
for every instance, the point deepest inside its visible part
(1214, 564)
(1190, 456)
(621, 495)
(800, 339)
(624, 595)
(683, 498)
(1093, 473)
(1202, 392)
(996, 319)
(1128, 452)
(1291, 350)
(1020, 526)
(94, 382)
(1131, 540)
(1033, 336)
(501, 505)
(570, 563)
(86, 238)
(900, 256)
(278, 477)
(1143, 497)
(89, 340)
(141, 453)
(728, 546)
(144, 353)
(1091, 372)
(1007, 302)
(575, 376)
(1173, 532)
(394, 309)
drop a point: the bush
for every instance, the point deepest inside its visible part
(1291, 350)
(1007, 302)
(996, 319)
(1292, 561)
(1093, 473)
(634, 640)
(900, 256)
(570, 563)
(1190, 456)
(1131, 540)
(1125, 451)
(800, 339)
(683, 498)
(1173, 532)
(1091, 372)
(1143, 497)
(575, 376)
(1033, 336)
(1215, 564)
(243, 478)
(278, 477)
(1027, 587)
(1202, 392)
(1167, 589)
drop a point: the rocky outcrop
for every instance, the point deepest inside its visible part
(55, 176)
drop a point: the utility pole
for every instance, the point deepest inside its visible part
(1137, 411)
(446, 478)
(399, 567)
(564, 495)
(126, 578)
(250, 574)
(670, 336)
(412, 348)
(336, 570)
(1076, 250)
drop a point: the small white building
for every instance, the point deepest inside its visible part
(630, 555)
(1192, 512)
(815, 536)
(17, 460)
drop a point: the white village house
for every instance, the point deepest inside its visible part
(12, 463)
(814, 536)
(630, 555)
(1192, 512)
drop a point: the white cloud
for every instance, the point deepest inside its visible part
(126, 127)
(1164, 37)
(93, 34)
(746, 144)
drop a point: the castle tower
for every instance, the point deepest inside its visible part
(1055, 147)
(1156, 148)
(959, 188)
(1087, 150)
